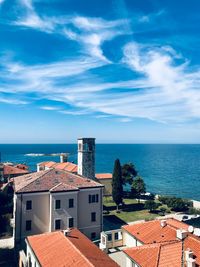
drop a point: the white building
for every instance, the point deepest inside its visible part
(55, 199)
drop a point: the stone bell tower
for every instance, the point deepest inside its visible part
(86, 157)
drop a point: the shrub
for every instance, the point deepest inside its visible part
(151, 205)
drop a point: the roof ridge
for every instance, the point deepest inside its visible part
(158, 256)
(55, 186)
(79, 252)
(46, 171)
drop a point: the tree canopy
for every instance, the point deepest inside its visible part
(117, 188)
(128, 173)
(138, 187)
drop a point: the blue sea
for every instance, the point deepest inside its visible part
(166, 169)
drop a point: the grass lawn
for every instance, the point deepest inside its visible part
(132, 211)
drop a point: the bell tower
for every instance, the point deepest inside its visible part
(86, 157)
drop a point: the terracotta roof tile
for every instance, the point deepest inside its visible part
(11, 170)
(75, 249)
(157, 255)
(152, 231)
(103, 175)
(192, 242)
(46, 180)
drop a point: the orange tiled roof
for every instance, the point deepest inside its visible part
(75, 249)
(48, 179)
(103, 175)
(159, 255)
(68, 166)
(152, 231)
(192, 242)
(12, 170)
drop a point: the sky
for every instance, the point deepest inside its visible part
(122, 71)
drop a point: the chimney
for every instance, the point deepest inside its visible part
(63, 157)
(181, 234)
(86, 157)
(163, 223)
(189, 260)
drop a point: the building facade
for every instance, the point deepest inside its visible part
(51, 200)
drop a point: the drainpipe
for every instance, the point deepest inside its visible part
(20, 229)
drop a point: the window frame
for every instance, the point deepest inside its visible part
(69, 204)
(55, 224)
(93, 219)
(56, 204)
(30, 226)
(27, 206)
(71, 219)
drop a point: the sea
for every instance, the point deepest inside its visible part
(166, 169)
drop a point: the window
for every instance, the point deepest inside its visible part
(71, 222)
(109, 237)
(93, 216)
(71, 203)
(28, 205)
(116, 236)
(93, 235)
(57, 224)
(28, 225)
(57, 204)
(93, 198)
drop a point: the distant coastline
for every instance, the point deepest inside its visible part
(166, 169)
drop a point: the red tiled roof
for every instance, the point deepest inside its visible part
(157, 255)
(75, 249)
(68, 166)
(11, 170)
(192, 242)
(103, 175)
(22, 166)
(48, 179)
(152, 231)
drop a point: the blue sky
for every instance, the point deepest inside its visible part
(123, 71)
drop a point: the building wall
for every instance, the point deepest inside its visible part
(129, 240)
(39, 214)
(130, 263)
(64, 213)
(30, 257)
(43, 212)
(85, 209)
(107, 186)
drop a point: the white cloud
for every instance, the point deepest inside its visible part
(49, 108)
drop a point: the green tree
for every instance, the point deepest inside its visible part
(117, 188)
(128, 173)
(163, 210)
(151, 205)
(138, 187)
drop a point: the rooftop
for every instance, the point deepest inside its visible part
(14, 170)
(67, 166)
(153, 232)
(160, 255)
(75, 249)
(52, 180)
(103, 175)
(161, 246)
